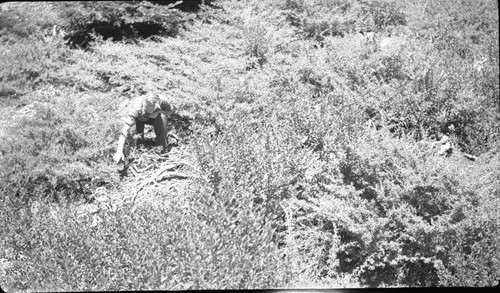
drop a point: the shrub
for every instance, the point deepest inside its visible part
(319, 19)
(31, 53)
(186, 5)
(118, 21)
(314, 167)
(257, 44)
(52, 154)
(383, 14)
(470, 259)
(27, 21)
(394, 225)
(29, 64)
(209, 243)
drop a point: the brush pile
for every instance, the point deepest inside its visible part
(148, 176)
(149, 168)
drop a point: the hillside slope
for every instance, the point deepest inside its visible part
(308, 152)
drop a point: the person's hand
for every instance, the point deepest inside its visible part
(118, 157)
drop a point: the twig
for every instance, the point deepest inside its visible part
(165, 168)
(187, 164)
(172, 175)
(141, 186)
(133, 170)
(156, 175)
(143, 169)
(163, 173)
(135, 195)
(470, 157)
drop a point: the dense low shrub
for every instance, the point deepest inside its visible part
(50, 151)
(186, 5)
(118, 21)
(28, 64)
(319, 19)
(207, 243)
(310, 142)
(27, 20)
(387, 221)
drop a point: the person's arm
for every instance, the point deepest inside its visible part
(121, 144)
(128, 122)
(166, 107)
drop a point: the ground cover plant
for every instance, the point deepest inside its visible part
(306, 151)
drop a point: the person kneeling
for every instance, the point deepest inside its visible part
(147, 109)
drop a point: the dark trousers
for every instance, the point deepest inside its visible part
(160, 125)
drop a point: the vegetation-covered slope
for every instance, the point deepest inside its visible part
(308, 127)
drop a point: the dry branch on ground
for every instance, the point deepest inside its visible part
(150, 167)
